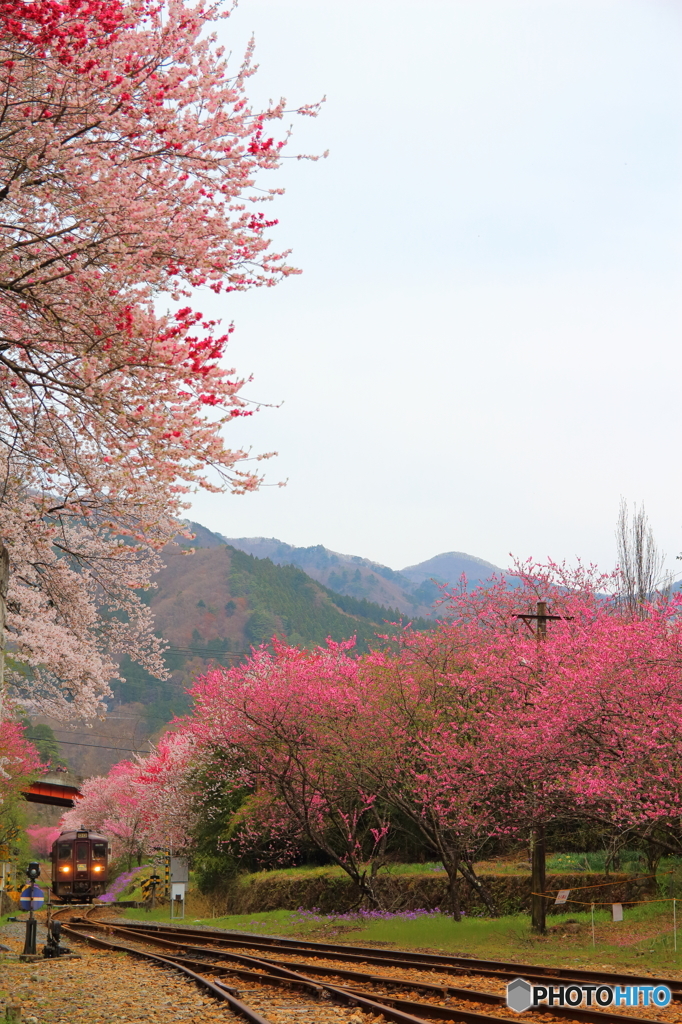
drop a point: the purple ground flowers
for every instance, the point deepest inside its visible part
(118, 885)
(364, 916)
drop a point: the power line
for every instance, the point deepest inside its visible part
(205, 652)
(99, 735)
(97, 746)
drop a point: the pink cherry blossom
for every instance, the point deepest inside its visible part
(131, 176)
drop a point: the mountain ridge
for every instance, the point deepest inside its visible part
(411, 589)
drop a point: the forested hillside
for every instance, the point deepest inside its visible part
(212, 606)
(412, 590)
(217, 603)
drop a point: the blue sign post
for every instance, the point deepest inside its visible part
(32, 897)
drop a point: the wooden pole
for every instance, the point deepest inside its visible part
(593, 940)
(542, 620)
(675, 923)
(537, 832)
(537, 840)
(538, 878)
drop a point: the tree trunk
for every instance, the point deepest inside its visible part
(379, 857)
(4, 583)
(467, 870)
(451, 865)
(361, 878)
(537, 860)
(613, 857)
(654, 851)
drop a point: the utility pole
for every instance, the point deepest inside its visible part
(538, 852)
(4, 584)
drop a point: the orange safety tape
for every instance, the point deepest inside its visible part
(609, 903)
(599, 885)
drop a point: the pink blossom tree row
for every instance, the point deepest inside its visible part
(472, 732)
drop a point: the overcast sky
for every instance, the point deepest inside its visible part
(483, 352)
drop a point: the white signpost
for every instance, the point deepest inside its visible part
(179, 879)
(178, 899)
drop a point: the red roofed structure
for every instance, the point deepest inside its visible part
(54, 793)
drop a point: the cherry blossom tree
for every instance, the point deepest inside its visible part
(128, 164)
(167, 789)
(112, 805)
(18, 761)
(143, 805)
(621, 726)
(64, 27)
(589, 714)
(418, 748)
(71, 606)
(281, 717)
(479, 729)
(127, 175)
(41, 838)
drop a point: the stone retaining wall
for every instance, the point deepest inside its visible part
(250, 894)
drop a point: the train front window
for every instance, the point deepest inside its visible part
(81, 856)
(64, 854)
(99, 851)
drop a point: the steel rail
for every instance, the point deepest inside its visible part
(274, 971)
(222, 991)
(438, 963)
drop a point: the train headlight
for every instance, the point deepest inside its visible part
(65, 870)
(97, 868)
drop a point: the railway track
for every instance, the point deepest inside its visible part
(436, 962)
(275, 974)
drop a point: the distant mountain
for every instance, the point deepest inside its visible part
(411, 590)
(345, 574)
(449, 568)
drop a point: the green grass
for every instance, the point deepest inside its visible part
(632, 862)
(643, 941)
(557, 864)
(333, 871)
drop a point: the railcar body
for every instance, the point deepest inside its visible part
(80, 866)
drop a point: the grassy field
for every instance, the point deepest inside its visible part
(642, 942)
(631, 863)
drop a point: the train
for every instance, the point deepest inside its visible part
(80, 866)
